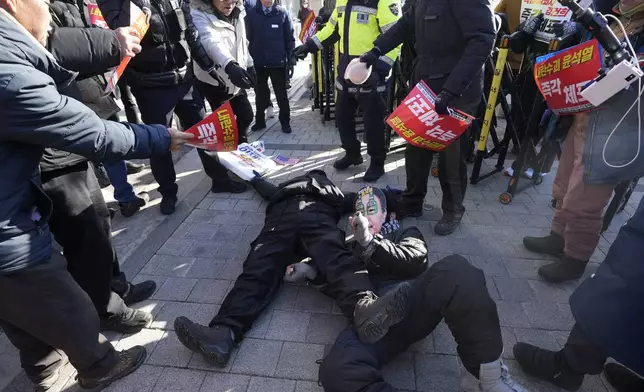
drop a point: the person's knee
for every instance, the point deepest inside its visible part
(459, 270)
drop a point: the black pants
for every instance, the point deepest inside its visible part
(452, 173)
(453, 290)
(581, 355)
(43, 311)
(299, 224)
(128, 101)
(373, 110)
(157, 106)
(80, 223)
(243, 115)
(278, 78)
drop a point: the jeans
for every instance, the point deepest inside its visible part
(117, 172)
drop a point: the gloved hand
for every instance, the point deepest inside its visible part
(239, 76)
(565, 29)
(532, 24)
(253, 75)
(299, 272)
(442, 102)
(291, 70)
(256, 177)
(301, 52)
(215, 75)
(360, 226)
(371, 56)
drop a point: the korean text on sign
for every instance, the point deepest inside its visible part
(553, 13)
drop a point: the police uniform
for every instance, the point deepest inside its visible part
(355, 25)
(162, 81)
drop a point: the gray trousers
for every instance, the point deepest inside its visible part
(45, 313)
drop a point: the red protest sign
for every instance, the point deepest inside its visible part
(417, 122)
(562, 75)
(96, 17)
(217, 132)
(308, 27)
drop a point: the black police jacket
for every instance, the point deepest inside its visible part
(453, 40)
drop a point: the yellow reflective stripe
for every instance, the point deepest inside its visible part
(333, 22)
(341, 9)
(364, 10)
(386, 60)
(317, 42)
(387, 26)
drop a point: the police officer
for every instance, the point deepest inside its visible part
(163, 83)
(453, 40)
(356, 24)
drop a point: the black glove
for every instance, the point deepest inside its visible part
(371, 56)
(253, 75)
(565, 29)
(442, 102)
(239, 76)
(291, 70)
(532, 24)
(215, 75)
(301, 52)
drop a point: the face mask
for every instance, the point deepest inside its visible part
(368, 201)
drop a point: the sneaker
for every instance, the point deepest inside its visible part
(258, 126)
(133, 168)
(552, 244)
(214, 344)
(447, 225)
(374, 316)
(622, 379)
(286, 128)
(270, 112)
(495, 377)
(563, 270)
(374, 172)
(132, 321)
(168, 205)
(129, 209)
(139, 292)
(547, 365)
(128, 362)
(229, 186)
(347, 161)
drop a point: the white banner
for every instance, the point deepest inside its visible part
(553, 13)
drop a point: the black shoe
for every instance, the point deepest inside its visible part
(214, 344)
(101, 176)
(563, 270)
(374, 172)
(410, 210)
(168, 205)
(286, 128)
(229, 186)
(139, 292)
(547, 365)
(346, 161)
(133, 168)
(447, 225)
(258, 126)
(128, 362)
(622, 379)
(132, 321)
(129, 209)
(374, 316)
(553, 244)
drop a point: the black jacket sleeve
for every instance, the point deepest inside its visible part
(398, 33)
(405, 256)
(265, 189)
(88, 51)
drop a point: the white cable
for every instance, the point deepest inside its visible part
(637, 101)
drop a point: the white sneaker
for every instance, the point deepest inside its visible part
(469, 383)
(495, 377)
(270, 112)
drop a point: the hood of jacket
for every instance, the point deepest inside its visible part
(207, 7)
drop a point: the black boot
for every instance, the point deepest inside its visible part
(563, 270)
(553, 244)
(259, 125)
(547, 365)
(374, 316)
(410, 209)
(374, 172)
(133, 168)
(131, 321)
(168, 205)
(129, 209)
(214, 344)
(139, 292)
(447, 224)
(128, 362)
(229, 186)
(622, 379)
(347, 160)
(286, 128)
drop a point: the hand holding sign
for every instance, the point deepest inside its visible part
(217, 132)
(129, 40)
(178, 138)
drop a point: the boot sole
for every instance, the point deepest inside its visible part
(98, 386)
(341, 168)
(556, 253)
(193, 344)
(389, 314)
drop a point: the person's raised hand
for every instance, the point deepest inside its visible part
(129, 41)
(178, 138)
(360, 226)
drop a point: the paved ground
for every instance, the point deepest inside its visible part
(195, 254)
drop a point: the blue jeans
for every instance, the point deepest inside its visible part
(123, 191)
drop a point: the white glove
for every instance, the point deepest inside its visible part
(299, 272)
(360, 226)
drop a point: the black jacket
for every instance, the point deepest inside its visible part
(90, 52)
(270, 37)
(171, 41)
(453, 40)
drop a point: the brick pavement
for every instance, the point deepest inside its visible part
(195, 254)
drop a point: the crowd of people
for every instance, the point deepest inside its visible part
(60, 131)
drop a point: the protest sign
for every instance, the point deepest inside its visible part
(562, 75)
(553, 13)
(96, 17)
(418, 123)
(246, 160)
(309, 27)
(217, 132)
(140, 21)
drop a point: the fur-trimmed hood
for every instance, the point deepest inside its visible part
(206, 6)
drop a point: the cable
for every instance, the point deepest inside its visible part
(637, 101)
